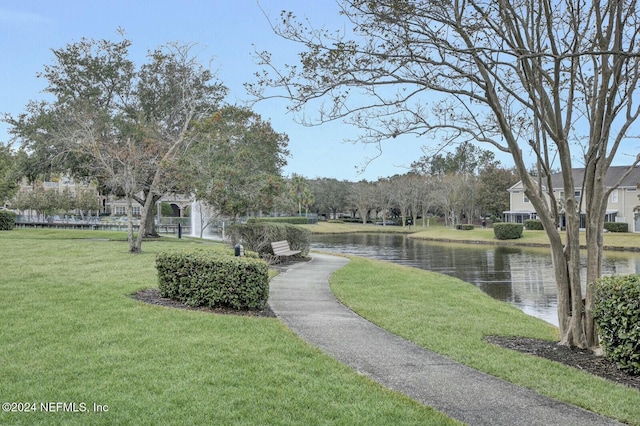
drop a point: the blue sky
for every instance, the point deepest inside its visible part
(226, 30)
(223, 30)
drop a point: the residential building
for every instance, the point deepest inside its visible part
(110, 205)
(623, 204)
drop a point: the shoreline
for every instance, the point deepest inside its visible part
(513, 244)
(629, 242)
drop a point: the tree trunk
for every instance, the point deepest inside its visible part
(596, 208)
(594, 270)
(133, 247)
(148, 206)
(149, 219)
(565, 257)
(573, 332)
(150, 225)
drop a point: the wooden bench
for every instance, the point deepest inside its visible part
(281, 248)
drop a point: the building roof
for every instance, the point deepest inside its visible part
(611, 179)
(613, 176)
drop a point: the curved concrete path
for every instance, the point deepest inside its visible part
(301, 298)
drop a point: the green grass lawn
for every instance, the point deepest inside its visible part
(451, 317)
(70, 334)
(351, 227)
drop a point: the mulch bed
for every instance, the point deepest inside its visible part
(152, 296)
(583, 359)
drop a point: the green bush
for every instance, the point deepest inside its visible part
(213, 280)
(507, 231)
(7, 220)
(465, 227)
(533, 225)
(348, 220)
(617, 315)
(258, 237)
(616, 226)
(294, 220)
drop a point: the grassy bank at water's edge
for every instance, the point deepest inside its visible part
(450, 317)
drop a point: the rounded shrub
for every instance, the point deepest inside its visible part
(616, 226)
(617, 315)
(465, 227)
(7, 220)
(507, 231)
(213, 280)
(533, 225)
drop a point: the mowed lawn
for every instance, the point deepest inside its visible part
(75, 348)
(451, 317)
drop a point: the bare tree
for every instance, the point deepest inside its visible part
(555, 77)
(428, 197)
(384, 197)
(362, 198)
(453, 194)
(405, 195)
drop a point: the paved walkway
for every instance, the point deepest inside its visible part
(301, 298)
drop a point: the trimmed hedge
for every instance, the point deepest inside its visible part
(7, 220)
(533, 225)
(466, 227)
(213, 280)
(617, 315)
(616, 226)
(258, 237)
(348, 220)
(294, 220)
(507, 231)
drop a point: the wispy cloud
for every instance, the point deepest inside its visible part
(15, 17)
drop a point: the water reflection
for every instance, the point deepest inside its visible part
(521, 276)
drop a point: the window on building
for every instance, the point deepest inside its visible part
(613, 198)
(525, 198)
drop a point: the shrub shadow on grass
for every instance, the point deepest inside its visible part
(152, 296)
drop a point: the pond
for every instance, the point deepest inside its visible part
(521, 276)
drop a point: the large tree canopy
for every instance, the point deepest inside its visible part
(236, 161)
(122, 124)
(556, 78)
(8, 173)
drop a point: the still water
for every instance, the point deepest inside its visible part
(517, 275)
